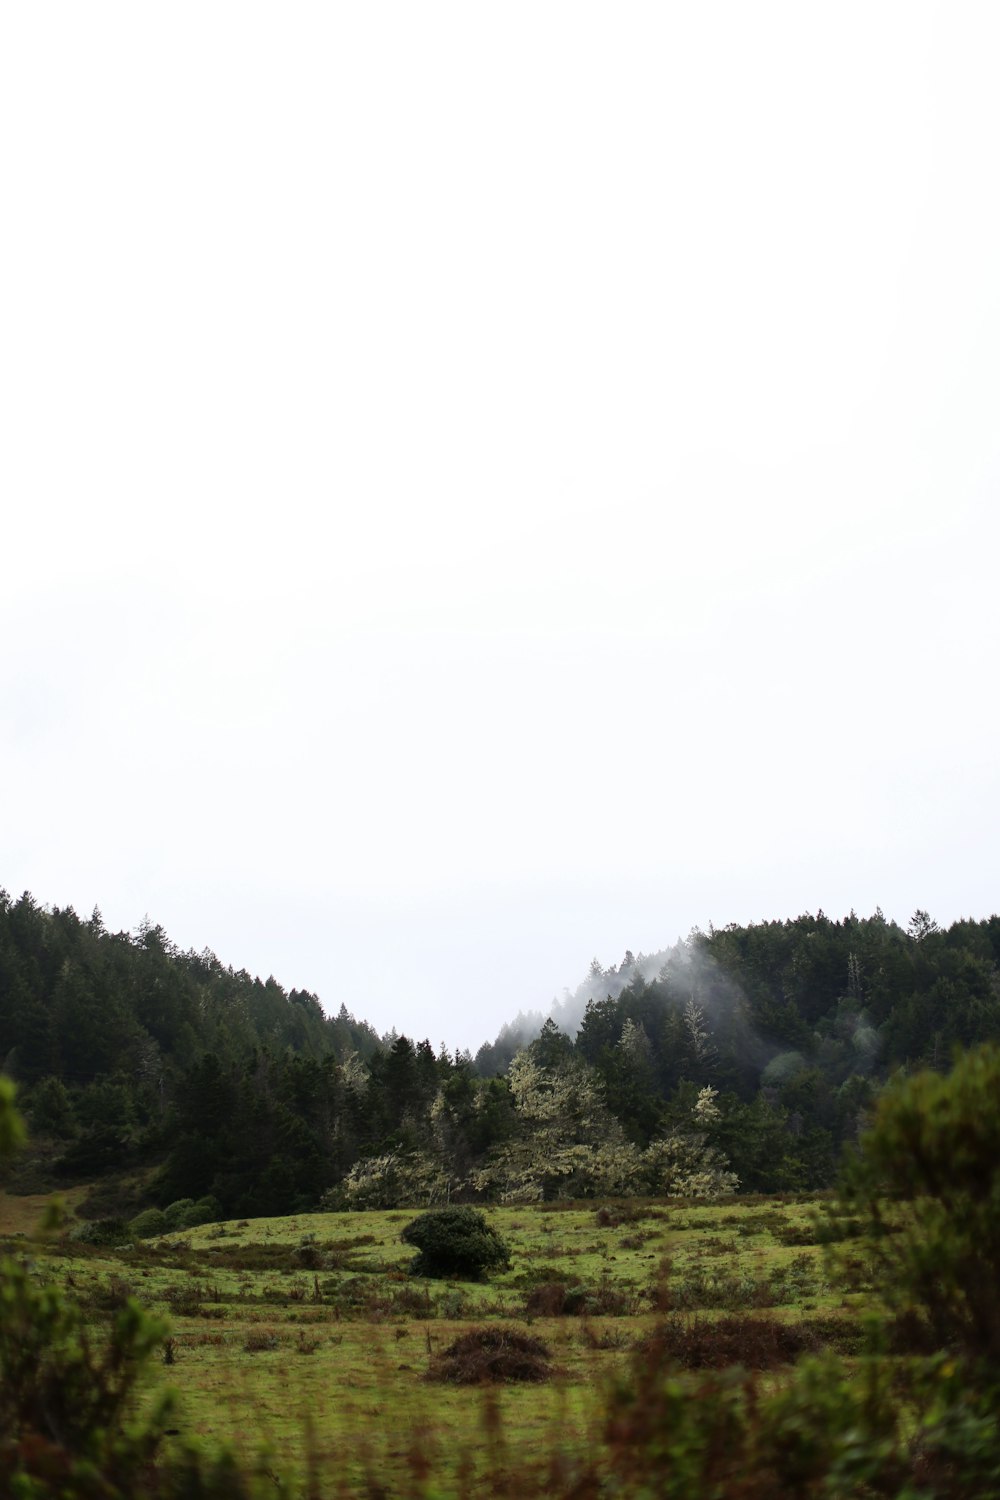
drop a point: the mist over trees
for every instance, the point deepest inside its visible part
(744, 1058)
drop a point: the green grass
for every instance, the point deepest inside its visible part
(307, 1336)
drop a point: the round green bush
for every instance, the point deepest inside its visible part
(151, 1221)
(187, 1215)
(209, 1210)
(101, 1232)
(455, 1242)
(177, 1212)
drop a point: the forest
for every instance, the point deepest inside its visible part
(745, 1058)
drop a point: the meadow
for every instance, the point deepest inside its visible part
(305, 1346)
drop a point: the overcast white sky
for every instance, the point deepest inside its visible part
(488, 485)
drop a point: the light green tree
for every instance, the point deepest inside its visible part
(567, 1142)
(684, 1163)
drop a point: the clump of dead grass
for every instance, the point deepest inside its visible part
(491, 1355)
(717, 1343)
(261, 1340)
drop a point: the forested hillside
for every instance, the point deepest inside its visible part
(744, 1057)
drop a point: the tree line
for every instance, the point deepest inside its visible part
(743, 1058)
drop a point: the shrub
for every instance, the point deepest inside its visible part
(185, 1213)
(259, 1340)
(713, 1344)
(485, 1355)
(557, 1299)
(553, 1299)
(205, 1211)
(109, 1295)
(176, 1213)
(150, 1222)
(184, 1300)
(611, 1216)
(927, 1181)
(455, 1242)
(107, 1232)
(703, 1288)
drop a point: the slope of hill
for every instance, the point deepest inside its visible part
(749, 1051)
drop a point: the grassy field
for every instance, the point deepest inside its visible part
(21, 1213)
(307, 1339)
